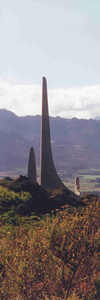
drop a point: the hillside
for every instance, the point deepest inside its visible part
(34, 197)
(75, 142)
(49, 256)
(49, 243)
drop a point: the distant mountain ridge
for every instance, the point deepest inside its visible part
(75, 142)
(97, 118)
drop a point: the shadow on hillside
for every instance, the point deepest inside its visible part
(40, 201)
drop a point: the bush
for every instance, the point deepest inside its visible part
(52, 257)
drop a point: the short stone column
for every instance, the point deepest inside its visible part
(77, 186)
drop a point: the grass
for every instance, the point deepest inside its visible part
(89, 171)
(53, 256)
(89, 176)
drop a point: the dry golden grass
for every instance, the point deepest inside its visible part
(54, 258)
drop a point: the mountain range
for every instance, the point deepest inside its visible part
(75, 142)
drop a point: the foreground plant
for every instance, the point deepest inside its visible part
(52, 258)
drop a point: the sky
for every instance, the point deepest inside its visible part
(59, 39)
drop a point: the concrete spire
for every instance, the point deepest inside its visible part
(77, 186)
(32, 165)
(49, 178)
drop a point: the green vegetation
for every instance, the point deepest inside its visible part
(52, 256)
(12, 203)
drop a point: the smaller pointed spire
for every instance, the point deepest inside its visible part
(32, 166)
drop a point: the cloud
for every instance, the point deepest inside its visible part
(67, 49)
(25, 99)
(81, 102)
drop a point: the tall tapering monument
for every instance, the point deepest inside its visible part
(49, 178)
